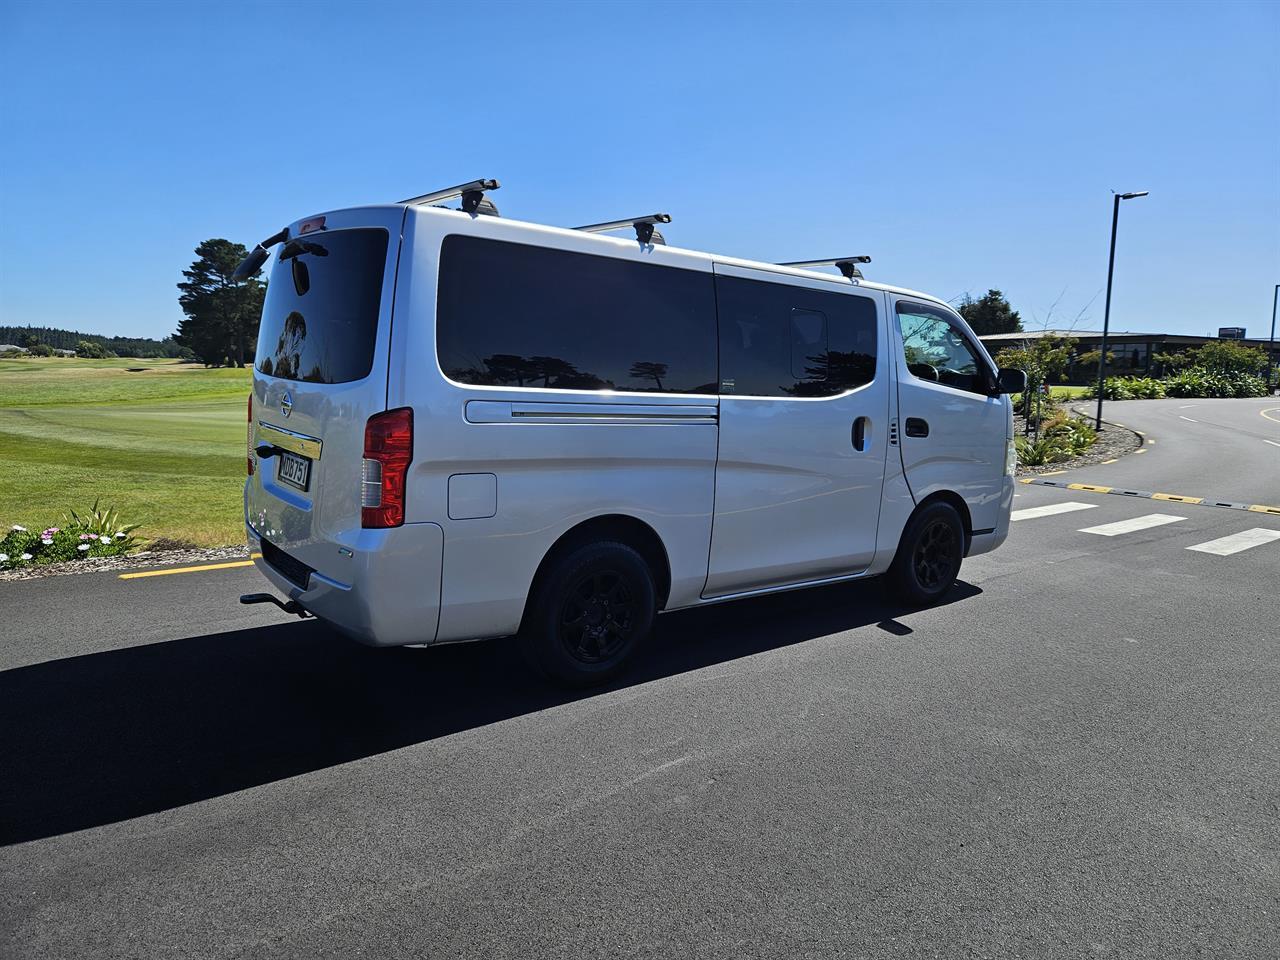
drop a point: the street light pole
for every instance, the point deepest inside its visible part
(1271, 347)
(1106, 317)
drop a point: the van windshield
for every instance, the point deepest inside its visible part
(320, 316)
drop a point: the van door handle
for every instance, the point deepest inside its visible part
(917, 427)
(860, 433)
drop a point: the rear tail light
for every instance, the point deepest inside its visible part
(249, 441)
(388, 450)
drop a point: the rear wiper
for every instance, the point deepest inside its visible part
(258, 256)
(296, 248)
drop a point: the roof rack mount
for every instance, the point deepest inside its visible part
(472, 194)
(847, 265)
(645, 232)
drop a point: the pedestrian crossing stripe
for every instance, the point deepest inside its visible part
(1133, 524)
(1237, 542)
(1149, 495)
(1049, 510)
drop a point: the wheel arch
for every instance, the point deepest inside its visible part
(619, 527)
(954, 500)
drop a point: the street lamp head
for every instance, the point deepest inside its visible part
(1130, 196)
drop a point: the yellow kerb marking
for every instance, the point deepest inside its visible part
(1143, 450)
(204, 566)
(1033, 479)
(1112, 460)
(1267, 413)
(1048, 473)
(1176, 497)
(1088, 486)
(1260, 508)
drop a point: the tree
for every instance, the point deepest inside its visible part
(221, 322)
(648, 370)
(1042, 359)
(92, 350)
(991, 314)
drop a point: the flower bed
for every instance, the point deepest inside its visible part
(99, 533)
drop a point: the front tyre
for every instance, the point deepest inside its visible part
(593, 609)
(929, 554)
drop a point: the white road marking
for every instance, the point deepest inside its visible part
(1132, 526)
(1246, 540)
(1272, 442)
(1188, 419)
(1188, 406)
(1031, 513)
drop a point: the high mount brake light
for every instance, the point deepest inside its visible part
(249, 442)
(388, 451)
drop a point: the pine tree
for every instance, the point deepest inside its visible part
(221, 322)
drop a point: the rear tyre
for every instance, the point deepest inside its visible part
(929, 554)
(590, 613)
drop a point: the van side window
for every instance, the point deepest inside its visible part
(808, 340)
(516, 315)
(937, 351)
(780, 340)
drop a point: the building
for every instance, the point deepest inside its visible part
(1133, 353)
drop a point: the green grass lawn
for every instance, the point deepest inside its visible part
(1068, 393)
(164, 442)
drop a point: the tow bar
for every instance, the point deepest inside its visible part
(291, 606)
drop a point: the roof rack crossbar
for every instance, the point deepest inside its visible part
(848, 266)
(645, 232)
(472, 194)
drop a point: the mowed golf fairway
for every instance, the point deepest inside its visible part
(162, 441)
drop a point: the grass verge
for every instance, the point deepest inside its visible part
(161, 441)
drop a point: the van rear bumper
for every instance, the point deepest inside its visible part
(385, 594)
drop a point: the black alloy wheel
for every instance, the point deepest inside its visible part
(597, 616)
(929, 555)
(592, 609)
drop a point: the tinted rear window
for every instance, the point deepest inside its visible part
(510, 314)
(320, 317)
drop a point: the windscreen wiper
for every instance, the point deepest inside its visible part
(296, 248)
(258, 256)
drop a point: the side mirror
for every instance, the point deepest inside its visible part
(1010, 380)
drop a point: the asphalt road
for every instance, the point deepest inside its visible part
(1076, 756)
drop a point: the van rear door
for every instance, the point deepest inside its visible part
(319, 374)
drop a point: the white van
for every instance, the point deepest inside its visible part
(464, 427)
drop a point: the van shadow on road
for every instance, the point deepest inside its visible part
(105, 737)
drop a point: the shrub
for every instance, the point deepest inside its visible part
(1129, 388)
(1200, 382)
(1037, 453)
(1073, 433)
(99, 533)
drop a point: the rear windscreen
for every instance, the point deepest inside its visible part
(320, 317)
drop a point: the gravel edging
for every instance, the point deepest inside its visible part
(1114, 442)
(134, 561)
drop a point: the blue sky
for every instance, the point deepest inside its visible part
(963, 146)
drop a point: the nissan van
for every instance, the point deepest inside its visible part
(463, 427)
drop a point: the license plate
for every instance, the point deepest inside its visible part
(294, 470)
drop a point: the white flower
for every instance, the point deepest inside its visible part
(26, 556)
(83, 547)
(47, 541)
(4, 558)
(19, 529)
(121, 535)
(104, 539)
